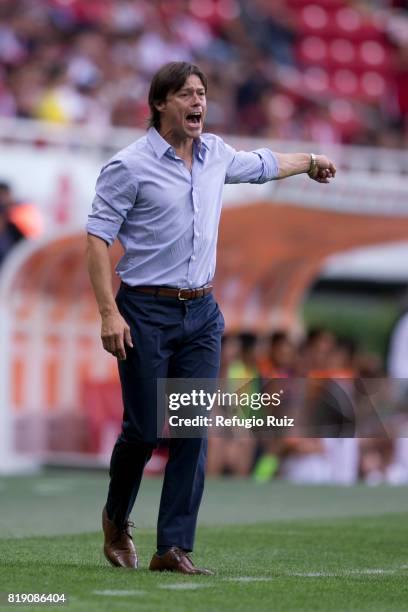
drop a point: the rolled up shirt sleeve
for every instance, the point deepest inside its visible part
(257, 166)
(116, 191)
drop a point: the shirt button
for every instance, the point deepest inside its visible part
(193, 257)
(197, 234)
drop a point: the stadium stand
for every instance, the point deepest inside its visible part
(274, 67)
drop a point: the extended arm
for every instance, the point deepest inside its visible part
(264, 165)
(321, 169)
(115, 332)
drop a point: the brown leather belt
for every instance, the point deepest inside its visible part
(181, 294)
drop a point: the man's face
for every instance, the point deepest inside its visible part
(183, 112)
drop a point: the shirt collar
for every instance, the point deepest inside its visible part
(161, 146)
(201, 147)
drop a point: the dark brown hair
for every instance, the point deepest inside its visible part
(169, 79)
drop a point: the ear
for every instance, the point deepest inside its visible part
(160, 106)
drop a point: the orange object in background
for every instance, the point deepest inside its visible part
(28, 219)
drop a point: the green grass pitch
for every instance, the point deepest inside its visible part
(274, 547)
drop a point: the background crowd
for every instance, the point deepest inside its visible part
(326, 71)
(335, 368)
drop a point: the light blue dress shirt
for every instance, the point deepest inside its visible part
(165, 216)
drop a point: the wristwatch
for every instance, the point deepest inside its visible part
(313, 165)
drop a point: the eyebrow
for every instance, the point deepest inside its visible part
(199, 89)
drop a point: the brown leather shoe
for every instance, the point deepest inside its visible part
(176, 560)
(118, 547)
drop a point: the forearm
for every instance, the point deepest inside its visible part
(292, 163)
(99, 269)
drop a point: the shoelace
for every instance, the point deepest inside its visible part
(127, 527)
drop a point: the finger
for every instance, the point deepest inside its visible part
(120, 348)
(327, 174)
(128, 337)
(108, 344)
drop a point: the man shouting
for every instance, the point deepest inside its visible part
(161, 196)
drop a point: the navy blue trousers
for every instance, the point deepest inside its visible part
(171, 338)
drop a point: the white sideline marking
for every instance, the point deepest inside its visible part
(114, 593)
(248, 579)
(357, 572)
(311, 574)
(372, 571)
(184, 586)
(51, 488)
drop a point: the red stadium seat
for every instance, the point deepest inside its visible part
(345, 82)
(344, 115)
(348, 20)
(342, 51)
(316, 80)
(373, 85)
(353, 24)
(327, 4)
(312, 49)
(337, 20)
(314, 19)
(374, 55)
(342, 111)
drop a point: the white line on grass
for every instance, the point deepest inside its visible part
(51, 488)
(311, 574)
(356, 572)
(184, 586)
(248, 579)
(372, 571)
(115, 593)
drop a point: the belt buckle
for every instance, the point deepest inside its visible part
(179, 297)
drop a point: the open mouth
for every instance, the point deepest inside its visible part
(193, 119)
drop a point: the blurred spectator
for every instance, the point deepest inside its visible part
(234, 452)
(279, 361)
(17, 221)
(245, 365)
(10, 234)
(341, 382)
(375, 456)
(270, 26)
(78, 61)
(315, 352)
(304, 461)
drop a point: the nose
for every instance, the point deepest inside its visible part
(196, 98)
